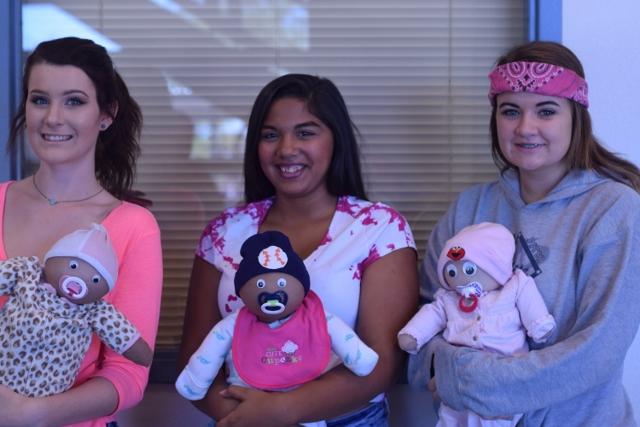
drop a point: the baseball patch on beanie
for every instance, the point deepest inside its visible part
(273, 258)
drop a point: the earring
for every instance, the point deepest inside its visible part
(103, 126)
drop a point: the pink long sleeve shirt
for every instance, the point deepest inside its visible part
(135, 236)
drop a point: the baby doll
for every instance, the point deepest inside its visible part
(282, 337)
(46, 324)
(483, 304)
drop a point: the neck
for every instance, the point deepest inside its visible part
(307, 209)
(66, 184)
(535, 186)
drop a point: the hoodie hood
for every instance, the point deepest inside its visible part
(576, 182)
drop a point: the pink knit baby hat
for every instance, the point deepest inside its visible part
(94, 247)
(489, 245)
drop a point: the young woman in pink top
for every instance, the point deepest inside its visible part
(83, 126)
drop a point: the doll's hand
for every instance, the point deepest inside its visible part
(407, 343)
(17, 410)
(140, 353)
(256, 408)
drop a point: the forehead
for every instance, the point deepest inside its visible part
(66, 260)
(530, 99)
(458, 262)
(59, 79)
(290, 109)
(273, 277)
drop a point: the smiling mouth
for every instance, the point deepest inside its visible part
(292, 170)
(55, 138)
(529, 145)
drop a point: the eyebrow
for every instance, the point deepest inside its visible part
(65, 93)
(539, 104)
(298, 126)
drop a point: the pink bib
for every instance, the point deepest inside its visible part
(291, 354)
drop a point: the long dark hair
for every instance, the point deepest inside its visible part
(323, 100)
(118, 146)
(585, 152)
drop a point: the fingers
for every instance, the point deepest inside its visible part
(431, 385)
(234, 392)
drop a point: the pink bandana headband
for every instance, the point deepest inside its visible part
(538, 77)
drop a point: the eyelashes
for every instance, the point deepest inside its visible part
(43, 100)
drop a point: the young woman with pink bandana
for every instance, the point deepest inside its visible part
(574, 209)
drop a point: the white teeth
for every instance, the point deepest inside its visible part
(530, 145)
(56, 138)
(291, 169)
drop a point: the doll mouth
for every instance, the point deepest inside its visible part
(274, 303)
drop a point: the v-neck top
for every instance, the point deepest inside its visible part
(360, 233)
(135, 236)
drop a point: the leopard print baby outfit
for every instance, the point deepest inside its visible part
(43, 338)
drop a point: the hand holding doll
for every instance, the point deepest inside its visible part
(282, 337)
(48, 321)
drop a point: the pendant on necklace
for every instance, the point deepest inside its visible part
(52, 202)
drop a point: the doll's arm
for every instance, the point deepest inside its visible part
(140, 353)
(13, 268)
(424, 325)
(355, 354)
(116, 331)
(196, 378)
(533, 311)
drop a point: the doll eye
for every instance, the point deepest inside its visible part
(282, 282)
(451, 270)
(73, 264)
(469, 268)
(261, 283)
(95, 279)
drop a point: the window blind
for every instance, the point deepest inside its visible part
(413, 73)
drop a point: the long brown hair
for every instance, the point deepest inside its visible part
(118, 146)
(585, 152)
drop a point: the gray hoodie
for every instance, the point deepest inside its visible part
(580, 244)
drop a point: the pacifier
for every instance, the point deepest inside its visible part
(470, 289)
(273, 303)
(469, 295)
(73, 287)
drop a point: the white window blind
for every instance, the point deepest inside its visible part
(413, 73)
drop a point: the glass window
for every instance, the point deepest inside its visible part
(413, 73)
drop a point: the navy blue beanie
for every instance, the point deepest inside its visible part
(269, 252)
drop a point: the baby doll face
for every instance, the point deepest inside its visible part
(466, 278)
(75, 279)
(272, 296)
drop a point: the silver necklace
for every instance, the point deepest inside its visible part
(53, 201)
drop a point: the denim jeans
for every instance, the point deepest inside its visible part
(374, 415)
